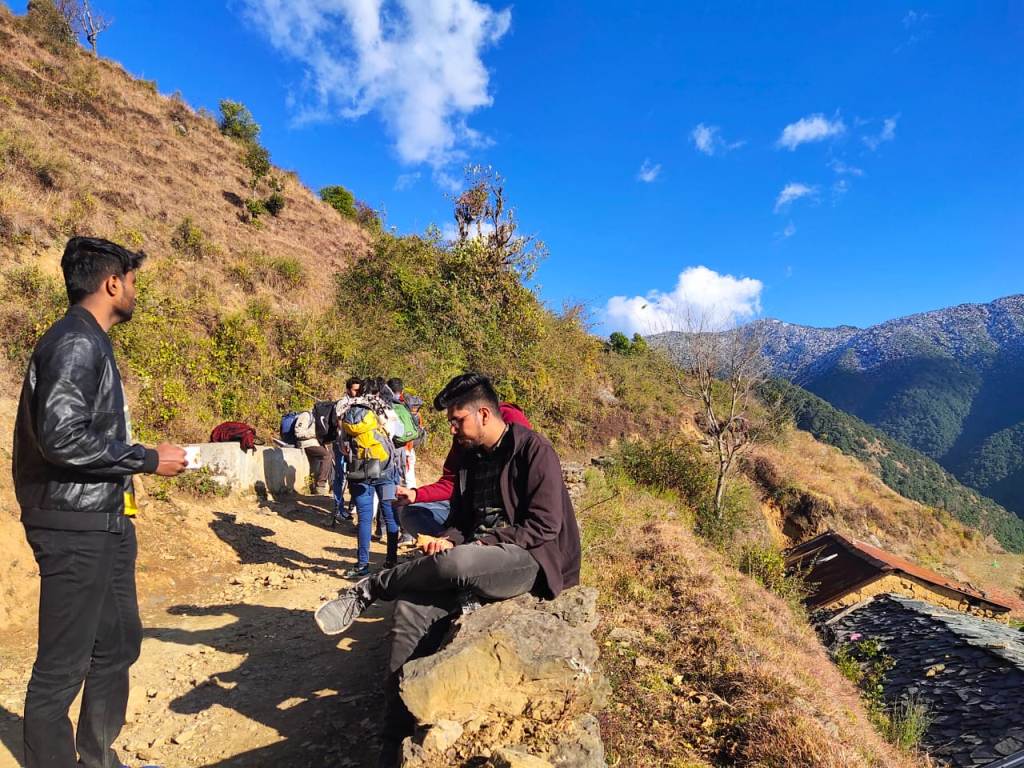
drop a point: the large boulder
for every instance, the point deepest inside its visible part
(520, 676)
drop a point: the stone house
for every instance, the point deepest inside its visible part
(841, 572)
(968, 671)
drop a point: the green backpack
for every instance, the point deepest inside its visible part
(410, 429)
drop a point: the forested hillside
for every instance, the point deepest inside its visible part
(948, 383)
(903, 469)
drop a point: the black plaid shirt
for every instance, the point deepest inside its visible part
(483, 481)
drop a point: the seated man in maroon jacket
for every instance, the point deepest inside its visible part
(511, 530)
(426, 509)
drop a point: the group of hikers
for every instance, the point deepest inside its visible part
(497, 524)
(368, 440)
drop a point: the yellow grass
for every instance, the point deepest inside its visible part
(719, 672)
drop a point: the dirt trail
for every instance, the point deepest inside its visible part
(233, 670)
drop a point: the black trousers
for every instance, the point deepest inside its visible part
(426, 592)
(89, 631)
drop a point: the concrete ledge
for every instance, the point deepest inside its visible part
(280, 470)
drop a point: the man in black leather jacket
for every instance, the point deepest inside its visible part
(73, 466)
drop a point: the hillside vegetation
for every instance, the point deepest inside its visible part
(906, 471)
(947, 383)
(242, 314)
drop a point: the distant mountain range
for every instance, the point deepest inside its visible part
(949, 383)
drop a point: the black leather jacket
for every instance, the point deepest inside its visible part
(72, 462)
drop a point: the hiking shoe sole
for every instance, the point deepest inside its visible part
(336, 616)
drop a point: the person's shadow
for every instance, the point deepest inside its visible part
(324, 702)
(11, 729)
(253, 545)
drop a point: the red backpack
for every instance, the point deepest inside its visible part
(235, 432)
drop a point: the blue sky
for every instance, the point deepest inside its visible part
(896, 188)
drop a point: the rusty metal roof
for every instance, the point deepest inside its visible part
(836, 566)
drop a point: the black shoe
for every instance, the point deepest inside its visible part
(336, 616)
(390, 564)
(358, 572)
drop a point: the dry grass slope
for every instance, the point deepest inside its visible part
(708, 668)
(85, 148)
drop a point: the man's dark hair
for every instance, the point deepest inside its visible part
(353, 380)
(88, 261)
(369, 387)
(396, 386)
(468, 389)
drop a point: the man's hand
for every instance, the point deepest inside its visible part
(172, 460)
(404, 496)
(431, 545)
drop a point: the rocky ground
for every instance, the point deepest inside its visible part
(233, 670)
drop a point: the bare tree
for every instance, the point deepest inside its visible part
(92, 24)
(482, 212)
(723, 371)
(84, 19)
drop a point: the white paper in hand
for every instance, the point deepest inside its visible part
(192, 457)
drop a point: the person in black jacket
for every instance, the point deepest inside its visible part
(73, 465)
(511, 530)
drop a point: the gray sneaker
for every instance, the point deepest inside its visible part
(336, 616)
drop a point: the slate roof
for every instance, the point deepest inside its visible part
(835, 566)
(968, 671)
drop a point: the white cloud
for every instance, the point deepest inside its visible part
(406, 180)
(888, 133)
(416, 63)
(450, 232)
(704, 137)
(708, 139)
(648, 171)
(840, 188)
(843, 169)
(791, 192)
(807, 129)
(789, 231)
(702, 298)
(913, 19)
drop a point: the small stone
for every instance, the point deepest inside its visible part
(513, 758)
(184, 735)
(442, 736)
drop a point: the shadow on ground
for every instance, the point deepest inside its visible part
(10, 733)
(323, 700)
(253, 545)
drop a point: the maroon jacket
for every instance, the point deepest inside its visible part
(442, 489)
(540, 512)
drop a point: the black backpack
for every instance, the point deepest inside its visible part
(324, 421)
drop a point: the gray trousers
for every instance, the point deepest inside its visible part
(426, 590)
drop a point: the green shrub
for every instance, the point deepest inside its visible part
(254, 208)
(237, 122)
(767, 566)
(289, 271)
(620, 344)
(908, 720)
(190, 241)
(256, 159)
(201, 483)
(23, 325)
(275, 203)
(670, 464)
(340, 199)
(49, 26)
